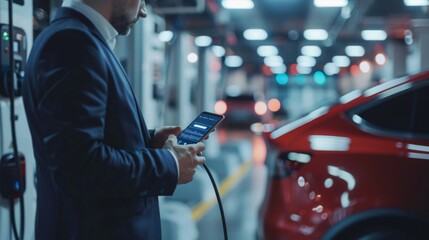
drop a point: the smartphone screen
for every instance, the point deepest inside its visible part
(199, 128)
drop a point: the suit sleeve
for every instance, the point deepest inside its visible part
(72, 106)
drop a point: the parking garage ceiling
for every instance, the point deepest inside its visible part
(285, 22)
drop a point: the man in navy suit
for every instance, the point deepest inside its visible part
(99, 169)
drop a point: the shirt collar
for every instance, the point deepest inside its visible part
(106, 29)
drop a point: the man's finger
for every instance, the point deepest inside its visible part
(200, 160)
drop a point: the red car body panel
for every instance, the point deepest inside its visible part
(368, 171)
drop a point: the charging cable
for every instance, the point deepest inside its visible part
(13, 128)
(219, 201)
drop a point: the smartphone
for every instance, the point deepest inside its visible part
(202, 125)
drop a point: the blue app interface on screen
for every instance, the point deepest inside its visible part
(198, 128)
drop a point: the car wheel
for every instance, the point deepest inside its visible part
(380, 224)
(387, 229)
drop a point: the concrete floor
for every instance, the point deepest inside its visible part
(241, 205)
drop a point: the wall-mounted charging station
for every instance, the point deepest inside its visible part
(10, 186)
(17, 197)
(19, 59)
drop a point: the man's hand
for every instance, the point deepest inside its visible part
(161, 135)
(188, 156)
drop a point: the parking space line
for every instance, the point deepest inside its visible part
(203, 207)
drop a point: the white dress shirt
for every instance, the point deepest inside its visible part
(106, 29)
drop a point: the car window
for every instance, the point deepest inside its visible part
(421, 118)
(403, 112)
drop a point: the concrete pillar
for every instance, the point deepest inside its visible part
(180, 82)
(419, 50)
(396, 65)
(208, 80)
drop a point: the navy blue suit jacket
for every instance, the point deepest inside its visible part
(97, 177)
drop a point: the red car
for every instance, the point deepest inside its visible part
(356, 170)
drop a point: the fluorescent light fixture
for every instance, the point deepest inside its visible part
(331, 3)
(331, 69)
(267, 50)
(218, 51)
(306, 61)
(165, 36)
(412, 3)
(303, 69)
(255, 34)
(374, 35)
(203, 41)
(355, 51)
(341, 61)
(279, 69)
(238, 4)
(273, 61)
(233, 61)
(311, 50)
(315, 34)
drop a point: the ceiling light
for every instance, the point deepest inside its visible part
(365, 67)
(374, 35)
(279, 69)
(355, 51)
(282, 78)
(331, 3)
(341, 61)
(380, 59)
(311, 50)
(233, 61)
(267, 50)
(416, 3)
(315, 34)
(192, 57)
(165, 36)
(306, 61)
(331, 69)
(255, 34)
(237, 4)
(303, 69)
(203, 41)
(218, 51)
(273, 61)
(320, 78)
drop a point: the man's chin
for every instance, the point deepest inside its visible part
(125, 32)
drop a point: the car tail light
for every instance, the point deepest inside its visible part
(289, 162)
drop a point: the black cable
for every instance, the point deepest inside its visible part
(13, 128)
(219, 201)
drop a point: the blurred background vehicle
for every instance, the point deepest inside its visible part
(355, 170)
(243, 110)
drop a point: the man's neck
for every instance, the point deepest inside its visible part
(104, 7)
